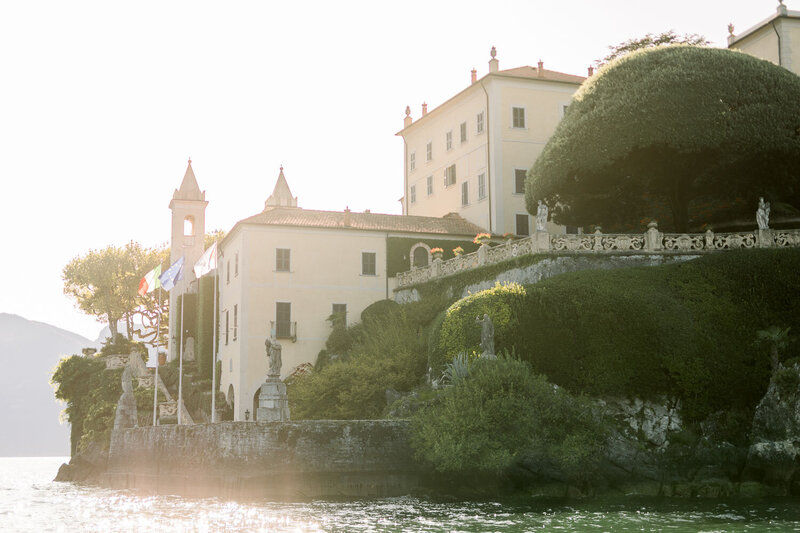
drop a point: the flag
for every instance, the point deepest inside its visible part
(150, 281)
(207, 262)
(173, 274)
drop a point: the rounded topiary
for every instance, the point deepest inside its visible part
(380, 309)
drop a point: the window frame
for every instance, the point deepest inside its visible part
(449, 140)
(429, 151)
(412, 161)
(482, 186)
(429, 185)
(463, 132)
(279, 334)
(374, 264)
(287, 260)
(479, 123)
(527, 222)
(514, 118)
(342, 312)
(449, 180)
(235, 322)
(464, 193)
(517, 169)
(412, 194)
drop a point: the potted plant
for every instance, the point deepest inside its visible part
(458, 251)
(481, 238)
(437, 253)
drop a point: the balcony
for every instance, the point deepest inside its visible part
(284, 329)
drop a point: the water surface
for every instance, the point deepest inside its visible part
(30, 501)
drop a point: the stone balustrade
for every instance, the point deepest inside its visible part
(651, 241)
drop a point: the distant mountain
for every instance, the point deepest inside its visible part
(29, 413)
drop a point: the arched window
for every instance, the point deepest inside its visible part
(254, 416)
(188, 226)
(420, 255)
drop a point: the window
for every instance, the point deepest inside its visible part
(449, 138)
(450, 175)
(465, 193)
(340, 313)
(282, 259)
(519, 180)
(227, 326)
(463, 132)
(228, 272)
(518, 117)
(236, 265)
(412, 196)
(283, 320)
(429, 151)
(235, 321)
(564, 109)
(413, 161)
(419, 256)
(479, 123)
(522, 225)
(430, 185)
(481, 186)
(368, 264)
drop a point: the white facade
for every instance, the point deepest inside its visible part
(469, 155)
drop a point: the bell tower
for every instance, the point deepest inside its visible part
(188, 206)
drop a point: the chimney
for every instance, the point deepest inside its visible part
(424, 109)
(540, 70)
(347, 216)
(591, 71)
(474, 76)
(407, 120)
(494, 65)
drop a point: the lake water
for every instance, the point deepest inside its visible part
(30, 501)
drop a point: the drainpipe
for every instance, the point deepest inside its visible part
(488, 158)
(386, 269)
(780, 52)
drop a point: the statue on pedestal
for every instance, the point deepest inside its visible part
(541, 216)
(762, 214)
(273, 356)
(126, 415)
(487, 336)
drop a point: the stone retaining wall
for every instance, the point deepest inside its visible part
(279, 460)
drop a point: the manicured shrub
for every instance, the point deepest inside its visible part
(501, 413)
(460, 333)
(380, 309)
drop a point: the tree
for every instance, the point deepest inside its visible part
(676, 128)
(651, 41)
(105, 283)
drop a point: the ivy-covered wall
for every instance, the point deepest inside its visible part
(399, 249)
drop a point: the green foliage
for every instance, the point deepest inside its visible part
(651, 41)
(460, 333)
(458, 369)
(189, 302)
(119, 344)
(500, 413)
(91, 394)
(683, 330)
(685, 128)
(387, 353)
(380, 309)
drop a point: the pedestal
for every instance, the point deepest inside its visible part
(273, 404)
(541, 241)
(764, 238)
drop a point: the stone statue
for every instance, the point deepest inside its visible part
(274, 357)
(188, 349)
(487, 336)
(541, 216)
(762, 214)
(126, 416)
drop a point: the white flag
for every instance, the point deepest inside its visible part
(207, 262)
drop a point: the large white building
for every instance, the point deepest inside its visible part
(470, 154)
(287, 270)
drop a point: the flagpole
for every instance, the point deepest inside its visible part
(214, 344)
(180, 364)
(158, 334)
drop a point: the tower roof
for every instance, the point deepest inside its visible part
(281, 195)
(189, 190)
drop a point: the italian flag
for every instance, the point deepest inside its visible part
(150, 281)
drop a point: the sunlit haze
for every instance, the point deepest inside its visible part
(103, 103)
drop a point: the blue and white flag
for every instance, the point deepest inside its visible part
(174, 273)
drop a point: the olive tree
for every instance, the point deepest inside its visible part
(676, 128)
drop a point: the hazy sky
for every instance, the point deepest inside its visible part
(102, 103)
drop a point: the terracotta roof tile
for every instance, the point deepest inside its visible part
(451, 224)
